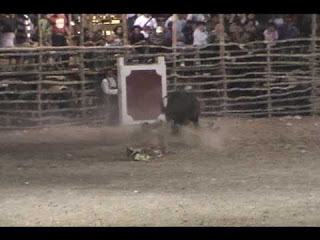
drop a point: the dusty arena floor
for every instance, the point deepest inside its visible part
(238, 172)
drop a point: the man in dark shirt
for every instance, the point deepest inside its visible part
(137, 38)
(7, 31)
(8, 21)
(187, 30)
(23, 30)
(289, 30)
(157, 38)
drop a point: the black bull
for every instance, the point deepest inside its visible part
(182, 108)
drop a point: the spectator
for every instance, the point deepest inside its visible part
(168, 36)
(60, 30)
(250, 29)
(7, 37)
(23, 30)
(116, 39)
(252, 18)
(146, 31)
(187, 31)
(7, 32)
(289, 30)
(60, 33)
(88, 38)
(46, 29)
(303, 21)
(157, 38)
(110, 88)
(198, 18)
(212, 23)
(181, 22)
(235, 33)
(228, 17)
(136, 37)
(131, 18)
(217, 31)
(146, 20)
(278, 21)
(99, 39)
(271, 34)
(241, 19)
(200, 35)
(243, 36)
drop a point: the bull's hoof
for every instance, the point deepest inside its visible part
(175, 130)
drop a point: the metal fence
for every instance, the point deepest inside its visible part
(61, 85)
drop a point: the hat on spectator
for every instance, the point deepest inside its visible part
(116, 28)
(159, 29)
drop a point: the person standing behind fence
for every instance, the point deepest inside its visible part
(200, 35)
(271, 35)
(187, 31)
(116, 39)
(7, 32)
(60, 30)
(110, 88)
(181, 22)
(197, 18)
(289, 30)
(46, 29)
(157, 38)
(60, 33)
(146, 20)
(131, 18)
(23, 30)
(137, 38)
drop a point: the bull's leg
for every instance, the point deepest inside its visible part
(162, 142)
(195, 121)
(174, 128)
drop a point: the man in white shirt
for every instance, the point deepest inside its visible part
(181, 22)
(271, 35)
(110, 88)
(146, 20)
(198, 17)
(200, 35)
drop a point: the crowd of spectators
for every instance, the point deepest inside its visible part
(144, 29)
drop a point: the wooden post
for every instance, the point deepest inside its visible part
(70, 28)
(222, 62)
(81, 29)
(39, 86)
(174, 47)
(40, 31)
(313, 63)
(269, 71)
(82, 74)
(125, 29)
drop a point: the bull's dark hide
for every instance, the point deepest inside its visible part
(182, 108)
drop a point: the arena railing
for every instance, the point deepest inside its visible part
(59, 86)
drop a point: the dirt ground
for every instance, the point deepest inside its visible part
(238, 172)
